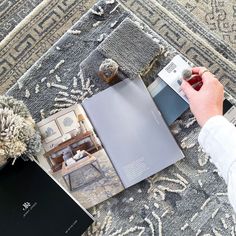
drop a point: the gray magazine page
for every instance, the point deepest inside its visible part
(132, 131)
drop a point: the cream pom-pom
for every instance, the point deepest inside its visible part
(18, 134)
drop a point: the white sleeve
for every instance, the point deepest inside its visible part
(218, 139)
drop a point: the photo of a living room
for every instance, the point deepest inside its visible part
(75, 157)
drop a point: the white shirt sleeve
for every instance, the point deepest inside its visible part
(218, 139)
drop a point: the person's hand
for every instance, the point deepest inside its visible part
(208, 101)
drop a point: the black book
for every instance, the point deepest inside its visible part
(32, 203)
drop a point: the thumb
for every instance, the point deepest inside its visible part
(187, 89)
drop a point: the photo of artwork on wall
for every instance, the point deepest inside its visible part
(68, 122)
(50, 131)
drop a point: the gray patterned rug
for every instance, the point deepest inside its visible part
(217, 16)
(28, 28)
(188, 198)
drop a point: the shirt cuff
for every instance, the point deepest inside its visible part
(218, 139)
(210, 127)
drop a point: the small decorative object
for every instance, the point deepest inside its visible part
(79, 155)
(50, 131)
(70, 161)
(67, 153)
(80, 152)
(108, 70)
(68, 122)
(81, 120)
(18, 134)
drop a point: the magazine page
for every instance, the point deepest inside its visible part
(132, 130)
(75, 157)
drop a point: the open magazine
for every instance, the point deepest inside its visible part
(110, 142)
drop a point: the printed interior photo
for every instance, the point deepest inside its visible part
(75, 157)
